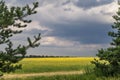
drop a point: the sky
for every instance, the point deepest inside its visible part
(68, 27)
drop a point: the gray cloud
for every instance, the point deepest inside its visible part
(72, 21)
(87, 4)
(85, 33)
(34, 31)
(19, 2)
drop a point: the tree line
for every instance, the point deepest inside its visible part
(46, 56)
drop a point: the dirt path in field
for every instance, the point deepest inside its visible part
(41, 74)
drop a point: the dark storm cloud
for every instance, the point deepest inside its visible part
(86, 4)
(67, 25)
(85, 33)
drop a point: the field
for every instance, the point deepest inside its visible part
(55, 69)
(37, 65)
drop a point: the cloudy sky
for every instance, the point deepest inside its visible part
(69, 27)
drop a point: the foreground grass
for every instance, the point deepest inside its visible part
(67, 77)
(37, 65)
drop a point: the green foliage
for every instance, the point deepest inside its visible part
(109, 59)
(10, 18)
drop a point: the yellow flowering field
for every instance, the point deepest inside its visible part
(36, 65)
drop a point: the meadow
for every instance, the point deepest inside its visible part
(46, 65)
(37, 65)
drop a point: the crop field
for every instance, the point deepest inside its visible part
(37, 65)
(55, 69)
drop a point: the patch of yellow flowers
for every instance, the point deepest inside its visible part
(33, 65)
(80, 60)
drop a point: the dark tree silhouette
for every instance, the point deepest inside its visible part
(108, 63)
(14, 17)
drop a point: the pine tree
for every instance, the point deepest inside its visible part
(14, 17)
(108, 63)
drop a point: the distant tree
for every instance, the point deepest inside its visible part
(14, 17)
(108, 63)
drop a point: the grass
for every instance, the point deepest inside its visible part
(58, 77)
(67, 77)
(37, 65)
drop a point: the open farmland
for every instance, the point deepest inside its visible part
(37, 65)
(55, 69)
